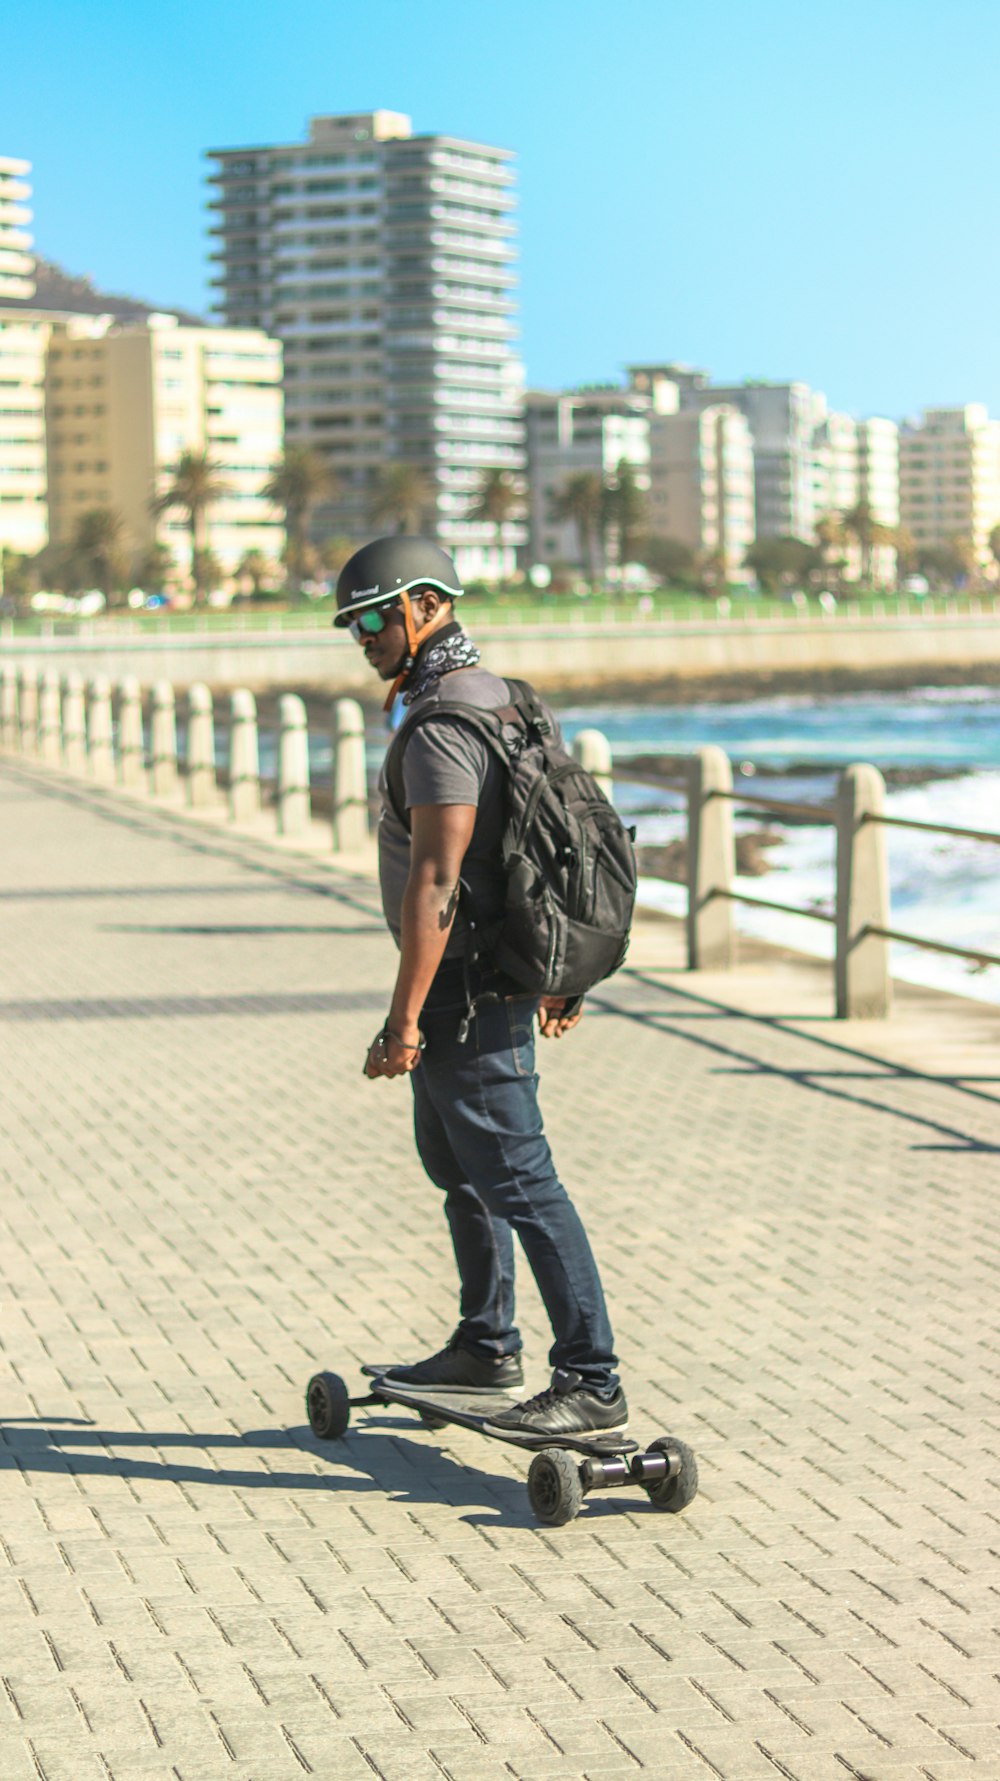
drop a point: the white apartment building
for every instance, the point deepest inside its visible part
(17, 265)
(949, 477)
(124, 400)
(24, 337)
(836, 476)
(570, 433)
(878, 484)
(783, 420)
(701, 482)
(384, 263)
(808, 461)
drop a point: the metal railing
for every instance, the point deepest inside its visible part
(65, 724)
(861, 914)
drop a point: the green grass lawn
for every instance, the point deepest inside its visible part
(513, 608)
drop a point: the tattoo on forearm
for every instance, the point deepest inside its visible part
(447, 914)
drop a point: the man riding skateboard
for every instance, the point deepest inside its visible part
(463, 1031)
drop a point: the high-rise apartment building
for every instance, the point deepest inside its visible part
(572, 433)
(878, 468)
(783, 418)
(24, 337)
(701, 482)
(17, 266)
(949, 478)
(878, 484)
(125, 400)
(809, 462)
(836, 468)
(384, 263)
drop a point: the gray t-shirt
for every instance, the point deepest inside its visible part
(447, 763)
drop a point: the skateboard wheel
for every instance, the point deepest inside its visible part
(430, 1421)
(555, 1487)
(675, 1491)
(328, 1406)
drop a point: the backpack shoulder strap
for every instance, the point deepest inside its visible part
(487, 723)
(529, 707)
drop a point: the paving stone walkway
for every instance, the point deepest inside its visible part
(202, 1201)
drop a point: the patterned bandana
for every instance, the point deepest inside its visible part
(447, 650)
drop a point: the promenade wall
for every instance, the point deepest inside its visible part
(552, 656)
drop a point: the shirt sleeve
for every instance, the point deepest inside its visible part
(444, 763)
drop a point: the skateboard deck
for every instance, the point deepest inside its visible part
(472, 1410)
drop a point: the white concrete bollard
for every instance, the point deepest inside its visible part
(244, 758)
(201, 786)
(163, 741)
(294, 806)
(864, 987)
(27, 710)
(131, 746)
(50, 719)
(100, 748)
(350, 777)
(711, 860)
(74, 725)
(9, 727)
(593, 751)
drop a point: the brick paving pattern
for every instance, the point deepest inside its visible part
(202, 1201)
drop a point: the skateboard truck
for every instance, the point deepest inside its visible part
(642, 1468)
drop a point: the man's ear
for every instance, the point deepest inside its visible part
(430, 603)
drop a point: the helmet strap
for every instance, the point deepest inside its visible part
(411, 651)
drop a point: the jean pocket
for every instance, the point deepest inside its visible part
(521, 1012)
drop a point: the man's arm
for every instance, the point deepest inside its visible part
(439, 840)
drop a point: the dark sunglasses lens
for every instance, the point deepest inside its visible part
(367, 624)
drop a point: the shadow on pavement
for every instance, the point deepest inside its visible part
(186, 1007)
(255, 928)
(824, 1081)
(370, 1457)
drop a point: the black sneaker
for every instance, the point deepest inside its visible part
(457, 1369)
(566, 1407)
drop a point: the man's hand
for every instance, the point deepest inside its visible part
(394, 1053)
(553, 1019)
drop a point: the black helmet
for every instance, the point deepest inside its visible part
(388, 567)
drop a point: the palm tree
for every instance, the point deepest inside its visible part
(860, 523)
(153, 567)
(196, 486)
(299, 482)
(96, 549)
(256, 567)
(625, 509)
(401, 497)
(498, 500)
(209, 571)
(831, 539)
(994, 543)
(903, 541)
(333, 554)
(581, 501)
(712, 570)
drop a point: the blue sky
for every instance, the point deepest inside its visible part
(768, 189)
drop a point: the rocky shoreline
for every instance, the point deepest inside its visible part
(670, 769)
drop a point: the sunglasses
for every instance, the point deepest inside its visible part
(370, 622)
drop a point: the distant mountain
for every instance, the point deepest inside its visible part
(58, 289)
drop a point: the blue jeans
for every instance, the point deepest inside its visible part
(479, 1136)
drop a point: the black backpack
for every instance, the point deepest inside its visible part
(568, 857)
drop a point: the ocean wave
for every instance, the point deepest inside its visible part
(941, 887)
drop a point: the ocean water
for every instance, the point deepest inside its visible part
(942, 887)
